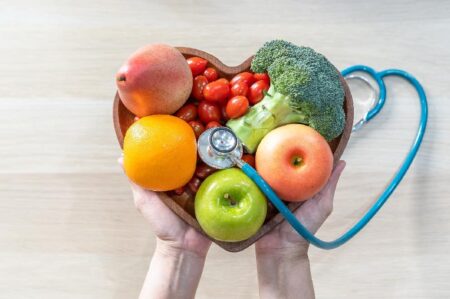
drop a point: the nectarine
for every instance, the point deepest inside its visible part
(156, 79)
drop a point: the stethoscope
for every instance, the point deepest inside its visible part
(220, 148)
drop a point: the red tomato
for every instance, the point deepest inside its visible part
(246, 77)
(211, 74)
(262, 76)
(249, 159)
(179, 191)
(257, 91)
(213, 124)
(194, 184)
(202, 171)
(188, 112)
(208, 112)
(237, 106)
(239, 89)
(223, 111)
(197, 65)
(197, 87)
(224, 81)
(198, 127)
(216, 91)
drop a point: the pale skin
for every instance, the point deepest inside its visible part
(281, 255)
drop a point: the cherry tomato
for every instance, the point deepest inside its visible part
(246, 77)
(194, 184)
(187, 113)
(211, 74)
(202, 171)
(249, 159)
(198, 86)
(239, 89)
(197, 65)
(224, 81)
(213, 124)
(262, 76)
(257, 89)
(208, 112)
(198, 127)
(216, 91)
(237, 106)
(179, 191)
(223, 111)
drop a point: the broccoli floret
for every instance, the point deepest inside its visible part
(330, 122)
(305, 88)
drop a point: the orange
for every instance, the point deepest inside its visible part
(160, 152)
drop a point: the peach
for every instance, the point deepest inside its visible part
(156, 79)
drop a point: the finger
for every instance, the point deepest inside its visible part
(325, 197)
(142, 197)
(315, 211)
(334, 178)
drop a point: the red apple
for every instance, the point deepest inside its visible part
(156, 79)
(295, 160)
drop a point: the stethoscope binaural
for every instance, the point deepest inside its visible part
(220, 148)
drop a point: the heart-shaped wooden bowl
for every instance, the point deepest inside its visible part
(183, 205)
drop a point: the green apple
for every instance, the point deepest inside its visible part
(229, 206)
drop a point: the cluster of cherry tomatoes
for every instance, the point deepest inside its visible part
(215, 100)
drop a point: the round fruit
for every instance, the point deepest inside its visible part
(160, 152)
(237, 106)
(239, 89)
(229, 206)
(246, 77)
(257, 90)
(295, 160)
(197, 87)
(154, 80)
(198, 127)
(249, 159)
(211, 74)
(188, 112)
(197, 65)
(208, 112)
(216, 91)
(213, 124)
(262, 76)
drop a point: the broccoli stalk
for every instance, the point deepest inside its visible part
(305, 88)
(273, 111)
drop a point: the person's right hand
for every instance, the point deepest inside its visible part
(312, 214)
(282, 255)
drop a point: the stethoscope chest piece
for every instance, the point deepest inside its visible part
(219, 148)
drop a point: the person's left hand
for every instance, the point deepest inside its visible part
(171, 231)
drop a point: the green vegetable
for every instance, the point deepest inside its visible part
(305, 88)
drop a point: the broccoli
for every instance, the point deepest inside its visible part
(305, 88)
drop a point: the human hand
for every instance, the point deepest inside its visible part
(312, 214)
(171, 231)
(282, 255)
(180, 253)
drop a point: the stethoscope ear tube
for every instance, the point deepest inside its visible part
(290, 217)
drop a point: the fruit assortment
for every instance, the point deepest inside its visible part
(213, 101)
(283, 110)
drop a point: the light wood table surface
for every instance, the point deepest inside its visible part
(68, 227)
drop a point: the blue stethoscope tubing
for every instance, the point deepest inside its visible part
(378, 77)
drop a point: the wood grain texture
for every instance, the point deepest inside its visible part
(68, 226)
(183, 205)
